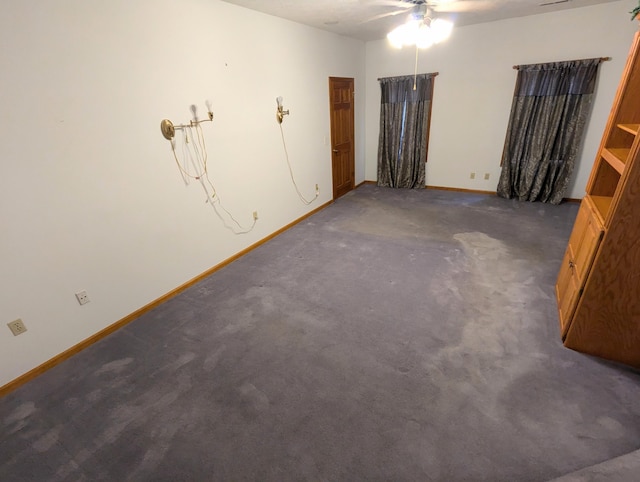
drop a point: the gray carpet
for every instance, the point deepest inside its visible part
(395, 335)
(625, 468)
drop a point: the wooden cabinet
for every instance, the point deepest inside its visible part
(598, 287)
(578, 258)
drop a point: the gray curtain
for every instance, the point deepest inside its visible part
(550, 108)
(404, 125)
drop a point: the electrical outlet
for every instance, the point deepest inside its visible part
(486, 176)
(255, 215)
(17, 327)
(472, 175)
(83, 297)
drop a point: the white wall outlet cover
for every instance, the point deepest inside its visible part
(82, 297)
(17, 327)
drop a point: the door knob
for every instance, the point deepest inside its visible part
(335, 151)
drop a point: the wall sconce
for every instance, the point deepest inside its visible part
(281, 112)
(169, 129)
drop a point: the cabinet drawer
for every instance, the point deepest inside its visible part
(567, 291)
(584, 240)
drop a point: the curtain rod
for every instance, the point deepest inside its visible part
(602, 59)
(433, 74)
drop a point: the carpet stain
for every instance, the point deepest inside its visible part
(48, 440)
(611, 426)
(212, 360)
(19, 416)
(181, 361)
(244, 323)
(256, 398)
(115, 366)
(68, 468)
(94, 395)
(73, 403)
(488, 277)
(21, 412)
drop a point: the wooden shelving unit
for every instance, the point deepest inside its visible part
(630, 128)
(617, 157)
(598, 287)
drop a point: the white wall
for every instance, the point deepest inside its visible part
(90, 196)
(474, 90)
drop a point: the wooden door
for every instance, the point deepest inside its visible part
(342, 135)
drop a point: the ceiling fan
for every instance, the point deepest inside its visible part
(421, 28)
(418, 7)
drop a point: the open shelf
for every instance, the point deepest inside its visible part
(603, 185)
(630, 128)
(601, 204)
(616, 156)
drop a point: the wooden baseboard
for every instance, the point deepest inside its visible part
(476, 191)
(443, 188)
(39, 370)
(459, 189)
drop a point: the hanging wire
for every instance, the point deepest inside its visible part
(286, 154)
(213, 198)
(185, 175)
(194, 152)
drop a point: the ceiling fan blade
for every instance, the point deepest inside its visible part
(461, 6)
(388, 14)
(388, 3)
(437, 6)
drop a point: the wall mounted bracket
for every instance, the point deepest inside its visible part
(168, 129)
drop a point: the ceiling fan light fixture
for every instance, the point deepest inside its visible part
(441, 30)
(405, 34)
(424, 37)
(422, 33)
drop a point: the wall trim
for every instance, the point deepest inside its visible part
(476, 191)
(443, 188)
(56, 360)
(459, 189)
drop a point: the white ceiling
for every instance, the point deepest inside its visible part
(357, 18)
